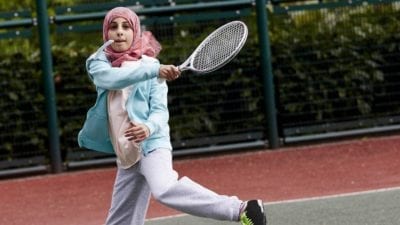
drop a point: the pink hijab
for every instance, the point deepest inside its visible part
(143, 43)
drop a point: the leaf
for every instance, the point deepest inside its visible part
(13, 96)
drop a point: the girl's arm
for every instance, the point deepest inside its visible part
(158, 114)
(113, 78)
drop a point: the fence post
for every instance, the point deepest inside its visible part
(48, 82)
(266, 69)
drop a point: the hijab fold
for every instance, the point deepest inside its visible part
(144, 43)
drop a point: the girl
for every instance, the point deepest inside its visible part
(130, 119)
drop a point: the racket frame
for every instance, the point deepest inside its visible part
(187, 64)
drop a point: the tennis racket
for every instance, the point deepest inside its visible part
(217, 49)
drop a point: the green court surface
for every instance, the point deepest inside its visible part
(378, 207)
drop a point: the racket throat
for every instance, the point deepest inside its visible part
(182, 68)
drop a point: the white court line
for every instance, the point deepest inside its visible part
(167, 217)
(299, 200)
(334, 196)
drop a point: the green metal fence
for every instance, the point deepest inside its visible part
(336, 66)
(321, 70)
(23, 134)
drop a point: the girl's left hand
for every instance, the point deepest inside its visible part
(137, 132)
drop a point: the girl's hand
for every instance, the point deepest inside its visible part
(169, 72)
(137, 132)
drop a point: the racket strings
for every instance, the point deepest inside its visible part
(220, 47)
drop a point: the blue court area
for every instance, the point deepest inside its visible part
(377, 207)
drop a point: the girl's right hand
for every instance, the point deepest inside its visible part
(169, 72)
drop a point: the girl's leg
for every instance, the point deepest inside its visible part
(184, 194)
(130, 198)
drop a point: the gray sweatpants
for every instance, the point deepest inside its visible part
(155, 175)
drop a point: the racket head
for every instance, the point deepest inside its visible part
(218, 48)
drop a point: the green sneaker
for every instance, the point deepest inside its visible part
(253, 213)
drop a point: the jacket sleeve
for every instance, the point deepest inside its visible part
(105, 76)
(159, 114)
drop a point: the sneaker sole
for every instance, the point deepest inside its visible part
(261, 205)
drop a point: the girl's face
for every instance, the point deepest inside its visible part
(122, 33)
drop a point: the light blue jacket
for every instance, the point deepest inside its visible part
(147, 103)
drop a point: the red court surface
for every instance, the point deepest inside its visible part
(83, 197)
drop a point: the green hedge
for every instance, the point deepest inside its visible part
(22, 118)
(337, 64)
